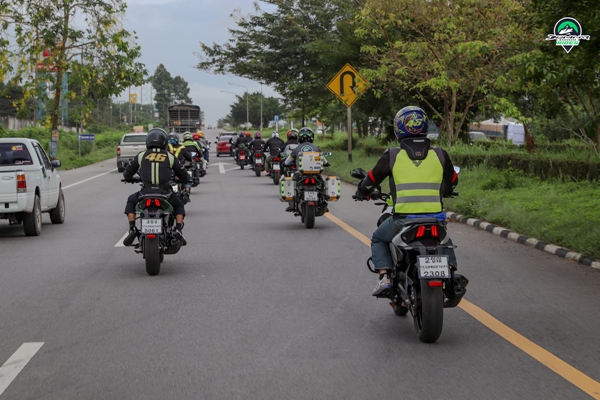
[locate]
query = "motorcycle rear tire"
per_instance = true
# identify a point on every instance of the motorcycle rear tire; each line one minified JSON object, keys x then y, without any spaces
{"x":242,"y":166}
{"x":429,"y":317}
{"x":309,"y":216}
{"x":275,"y":176}
{"x":257,"y":170}
{"x":152,"y":256}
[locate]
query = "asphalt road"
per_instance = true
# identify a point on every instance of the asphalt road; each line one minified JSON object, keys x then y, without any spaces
{"x":258,"y":307}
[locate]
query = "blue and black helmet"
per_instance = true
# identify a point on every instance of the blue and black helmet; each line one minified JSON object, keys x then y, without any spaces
{"x":410,"y":121}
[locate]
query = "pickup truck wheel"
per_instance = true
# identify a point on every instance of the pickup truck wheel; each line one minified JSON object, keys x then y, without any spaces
{"x":57,"y":214}
{"x":32,"y":222}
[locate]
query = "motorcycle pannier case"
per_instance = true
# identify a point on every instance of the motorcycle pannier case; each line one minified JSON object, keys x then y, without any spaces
{"x":309,"y":162}
{"x":333,"y":187}
{"x":288,"y":187}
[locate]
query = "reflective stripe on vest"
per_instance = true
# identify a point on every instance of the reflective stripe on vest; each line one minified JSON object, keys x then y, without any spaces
{"x":418,"y":185}
{"x":175,"y":150}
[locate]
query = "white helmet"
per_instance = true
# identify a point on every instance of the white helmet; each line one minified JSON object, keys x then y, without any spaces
{"x":274,"y":134}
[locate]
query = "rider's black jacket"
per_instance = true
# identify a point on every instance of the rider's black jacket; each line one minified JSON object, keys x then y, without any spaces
{"x":243,"y":141}
{"x":256,"y":144}
{"x":155,"y":167}
{"x":274,"y":145}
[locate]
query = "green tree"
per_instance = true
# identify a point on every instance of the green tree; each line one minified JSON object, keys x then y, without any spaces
{"x":169,"y":90}
{"x":100,"y":55}
{"x":564,"y":83}
{"x":451,"y":56}
{"x":270,"y":106}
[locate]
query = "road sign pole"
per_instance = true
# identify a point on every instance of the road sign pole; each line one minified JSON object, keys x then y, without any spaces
{"x":350,"y":134}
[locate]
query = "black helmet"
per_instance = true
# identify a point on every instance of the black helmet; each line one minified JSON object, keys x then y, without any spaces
{"x":156,"y":138}
{"x":173,"y":139}
{"x":306,"y":135}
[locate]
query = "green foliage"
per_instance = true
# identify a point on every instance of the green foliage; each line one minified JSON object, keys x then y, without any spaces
{"x":169,"y":90}
{"x":99,"y":57}
{"x":451,"y":56}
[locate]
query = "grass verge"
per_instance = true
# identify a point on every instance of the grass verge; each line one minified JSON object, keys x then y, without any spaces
{"x":565,"y":214}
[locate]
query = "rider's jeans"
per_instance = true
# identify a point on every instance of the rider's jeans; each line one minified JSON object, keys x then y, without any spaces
{"x":382,"y":237}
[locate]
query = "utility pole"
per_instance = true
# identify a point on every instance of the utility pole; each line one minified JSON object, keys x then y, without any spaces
{"x":261,"y":115}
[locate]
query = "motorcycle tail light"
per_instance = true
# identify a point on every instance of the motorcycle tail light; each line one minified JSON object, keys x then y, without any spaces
{"x":242,"y":152}
{"x":151,"y":236}
{"x":275,"y":159}
{"x":259,"y":155}
{"x":157,"y":202}
{"x":310,"y":181}
{"x":435,"y":283}
{"x":148,"y":202}
{"x":434,"y":231}
{"x":420,"y":232}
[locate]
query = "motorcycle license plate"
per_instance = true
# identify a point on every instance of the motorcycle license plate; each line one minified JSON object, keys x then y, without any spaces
{"x":151,"y":225}
{"x":276,"y":167}
{"x":433,"y":267}
{"x":242,"y":157}
{"x":311,"y":196}
{"x":259,"y":161}
{"x":175,"y":188}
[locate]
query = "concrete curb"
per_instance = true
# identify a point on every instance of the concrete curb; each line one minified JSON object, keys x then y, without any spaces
{"x":515,"y":237}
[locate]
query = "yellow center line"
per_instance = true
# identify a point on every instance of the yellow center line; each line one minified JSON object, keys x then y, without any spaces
{"x":571,"y":374}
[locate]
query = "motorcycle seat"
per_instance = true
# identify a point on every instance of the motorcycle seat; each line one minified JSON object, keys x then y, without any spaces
{"x":413,"y":221}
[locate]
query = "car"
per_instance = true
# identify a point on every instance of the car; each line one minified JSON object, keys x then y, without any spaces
{"x":477,"y":136}
{"x":131,"y":144}
{"x":319,"y":131}
{"x":223,"y":145}
{"x":29,"y":185}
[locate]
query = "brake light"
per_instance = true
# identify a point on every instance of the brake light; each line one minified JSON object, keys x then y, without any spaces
{"x":434,"y":231}
{"x":157,"y":202}
{"x":420,"y":232}
{"x":435,"y":283}
{"x":276,"y":159}
{"x":21,"y":183}
{"x":310,"y":181}
{"x":258,"y":155}
{"x":242,"y":152}
{"x":118,"y":151}
{"x":148,"y":202}
{"x":151,"y":236}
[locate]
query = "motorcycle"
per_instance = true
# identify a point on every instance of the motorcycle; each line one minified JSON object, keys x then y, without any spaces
{"x":258,"y":162}
{"x":276,"y":169}
{"x":195,"y":169}
{"x":156,"y":225}
{"x":242,"y":157}
{"x":307,"y":188}
{"x":423,"y":282}
{"x":178,"y":189}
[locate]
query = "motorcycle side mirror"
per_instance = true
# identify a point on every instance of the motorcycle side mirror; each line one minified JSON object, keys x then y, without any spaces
{"x":358,"y":173}
{"x":457,"y":169}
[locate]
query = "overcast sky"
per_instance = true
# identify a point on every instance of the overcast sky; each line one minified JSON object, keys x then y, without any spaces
{"x":169,"y":32}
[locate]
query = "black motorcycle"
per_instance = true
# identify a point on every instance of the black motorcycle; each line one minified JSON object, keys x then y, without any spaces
{"x":258,"y":162}
{"x":155,"y":221}
{"x":309,"y":187}
{"x":242,"y":157}
{"x":276,"y":169}
{"x":423,"y":282}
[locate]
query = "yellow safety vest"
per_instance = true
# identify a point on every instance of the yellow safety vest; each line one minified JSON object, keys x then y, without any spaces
{"x":175,"y":150}
{"x":418,"y":183}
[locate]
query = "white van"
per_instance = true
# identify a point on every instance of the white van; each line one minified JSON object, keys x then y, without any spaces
{"x":516,"y":133}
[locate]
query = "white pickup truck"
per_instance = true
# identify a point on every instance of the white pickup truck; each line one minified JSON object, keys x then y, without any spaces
{"x":29,"y":185}
{"x":129,"y":147}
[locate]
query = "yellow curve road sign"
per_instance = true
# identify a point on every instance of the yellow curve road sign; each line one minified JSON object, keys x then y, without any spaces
{"x":347,"y":85}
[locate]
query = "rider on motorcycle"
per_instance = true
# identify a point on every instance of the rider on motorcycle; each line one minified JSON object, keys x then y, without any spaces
{"x":155,"y":166}
{"x":201,"y":140}
{"x":241,"y":144}
{"x":273,"y":146}
{"x":192,"y":146}
{"x":258,"y":144}
{"x":292,"y":141}
{"x":306,"y":136}
{"x":419,"y":176}
{"x":180,"y":152}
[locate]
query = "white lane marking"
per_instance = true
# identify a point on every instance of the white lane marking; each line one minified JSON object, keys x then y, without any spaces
{"x":16,"y":363}
{"x":89,"y":179}
{"x":231,"y":169}
{"x":222,"y":168}
{"x":120,"y":242}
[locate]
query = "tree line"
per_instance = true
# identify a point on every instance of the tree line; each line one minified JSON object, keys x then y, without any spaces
{"x":461,"y":60}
